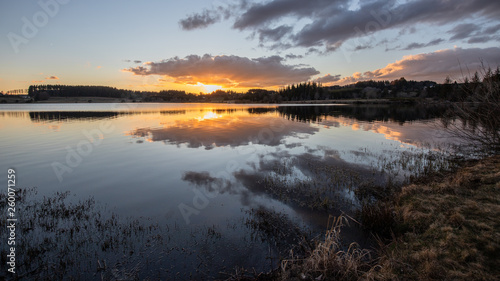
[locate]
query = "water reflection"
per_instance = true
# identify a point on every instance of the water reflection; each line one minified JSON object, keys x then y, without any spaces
{"x":367,"y":113}
{"x":61,"y":116}
{"x":281,"y":158}
{"x":215,"y":130}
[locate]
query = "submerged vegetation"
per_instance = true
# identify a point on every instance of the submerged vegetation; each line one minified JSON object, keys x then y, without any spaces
{"x":62,"y":239}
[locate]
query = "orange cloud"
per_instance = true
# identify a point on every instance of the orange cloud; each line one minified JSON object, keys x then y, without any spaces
{"x":227,"y":71}
{"x":435,"y":66}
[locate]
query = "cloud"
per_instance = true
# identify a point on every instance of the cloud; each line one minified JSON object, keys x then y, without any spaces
{"x":462,"y":31}
{"x":416,"y":45}
{"x":492,"y":29}
{"x":274,"y":34}
{"x":52,"y":78}
{"x":479,"y":39}
{"x":227,"y":71}
{"x":362,"y":47}
{"x":209,"y":16}
{"x":328,"y":79}
{"x":201,"y":20}
{"x":474,"y":33}
{"x":231,"y":130}
{"x":293,"y":56}
{"x":137,"y":61}
{"x":433,"y":66}
{"x":259,"y":14}
{"x":330,"y":23}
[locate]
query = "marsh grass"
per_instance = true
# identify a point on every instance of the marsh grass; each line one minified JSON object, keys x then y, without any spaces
{"x":318,"y":186}
{"x":61,"y":238}
{"x":279,"y":230}
{"x":330,"y":259}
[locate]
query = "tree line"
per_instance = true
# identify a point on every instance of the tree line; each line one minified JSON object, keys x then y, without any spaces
{"x":399,"y":88}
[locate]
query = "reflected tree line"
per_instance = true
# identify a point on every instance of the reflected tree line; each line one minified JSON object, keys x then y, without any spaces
{"x":71,"y":115}
{"x":97,"y":115}
{"x":369,"y":113}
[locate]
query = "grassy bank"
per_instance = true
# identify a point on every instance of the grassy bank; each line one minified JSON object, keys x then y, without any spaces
{"x":445,"y":227}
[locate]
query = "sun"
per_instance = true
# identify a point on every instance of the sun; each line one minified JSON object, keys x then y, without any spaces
{"x":210,"y":88}
{"x":209,"y":115}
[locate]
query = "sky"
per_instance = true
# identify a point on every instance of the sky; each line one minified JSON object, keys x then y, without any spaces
{"x":202,"y":45}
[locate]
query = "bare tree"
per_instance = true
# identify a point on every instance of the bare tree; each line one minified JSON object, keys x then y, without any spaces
{"x":476,"y":117}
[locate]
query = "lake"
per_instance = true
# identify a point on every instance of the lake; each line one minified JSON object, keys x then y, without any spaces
{"x":206,"y":176}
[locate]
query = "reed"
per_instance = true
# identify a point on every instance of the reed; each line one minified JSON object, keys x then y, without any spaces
{"x":330,"y":259}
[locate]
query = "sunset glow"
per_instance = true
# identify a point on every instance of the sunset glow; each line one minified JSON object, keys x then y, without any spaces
{"x":209,"y":115}
{"x":269,"y":44}
{"x":210,"y":88}
{"x":221,"y":139}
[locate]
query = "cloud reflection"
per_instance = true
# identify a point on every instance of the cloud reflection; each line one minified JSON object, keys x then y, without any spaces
{"x":216,"y":130}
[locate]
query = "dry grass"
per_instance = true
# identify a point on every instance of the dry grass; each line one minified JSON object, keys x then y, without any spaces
{"x":451,"y":228}
{"x":330,"y":259}
{"x":445,"y":228}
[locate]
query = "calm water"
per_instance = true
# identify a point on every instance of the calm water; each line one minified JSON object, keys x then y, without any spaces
{"x":202,"y":166}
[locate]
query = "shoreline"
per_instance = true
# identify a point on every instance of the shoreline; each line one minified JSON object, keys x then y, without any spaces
{"x":443,"y":227}
{"x":73,"y":100}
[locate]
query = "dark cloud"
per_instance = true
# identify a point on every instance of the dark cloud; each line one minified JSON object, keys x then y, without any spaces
{"x":479,"y":39}
{"x":228,"y":71}
{"x":260,"y":14}
{"x":332,"y":22}
{"x":492,"y":30}
{"x":52,"y":78}
{"x":416,"y":45}
{"x":293,"y":56}
{"x":486,"y":35}
{"x":462,"y":31}
{"x":474,"y":33}
{"x":210,"y":16}
{"x":328,"y":78}
{"x":362,"y":47}
{"x":202,"y":20}
{"x":274,"y":34}
{"x":137,"y":61}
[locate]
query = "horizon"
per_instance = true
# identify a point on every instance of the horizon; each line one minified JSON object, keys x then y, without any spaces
{"x":199,"y":46}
